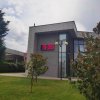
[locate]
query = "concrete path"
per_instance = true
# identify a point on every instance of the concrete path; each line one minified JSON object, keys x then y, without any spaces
{"x":41,"y":77}
{"x":13,"y":74}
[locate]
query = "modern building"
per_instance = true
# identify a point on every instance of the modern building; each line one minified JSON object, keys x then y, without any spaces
{"x":58,"y":42}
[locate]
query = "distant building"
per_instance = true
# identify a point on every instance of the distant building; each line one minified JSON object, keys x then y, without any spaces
{"x":14,"y":55}
{"x":42,"y":40}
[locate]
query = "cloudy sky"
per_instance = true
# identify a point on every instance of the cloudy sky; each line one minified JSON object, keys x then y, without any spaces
{"x":24,"y":13}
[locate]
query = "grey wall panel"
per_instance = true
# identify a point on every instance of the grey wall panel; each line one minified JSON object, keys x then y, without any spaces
{"x":56,"y":27}
{"x":46,"y":39}
{"x":31,"y":42}
{"x":52,"y":56}
{"x":52,"y":63}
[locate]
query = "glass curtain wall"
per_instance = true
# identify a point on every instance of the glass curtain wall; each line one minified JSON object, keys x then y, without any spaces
{"x":62,"y":37}
{"x":79,"y":45}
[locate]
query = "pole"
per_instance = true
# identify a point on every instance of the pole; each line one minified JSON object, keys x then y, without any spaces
{"x":61,"y":62}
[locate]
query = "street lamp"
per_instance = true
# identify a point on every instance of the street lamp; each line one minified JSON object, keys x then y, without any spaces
{"x":60,"y":43}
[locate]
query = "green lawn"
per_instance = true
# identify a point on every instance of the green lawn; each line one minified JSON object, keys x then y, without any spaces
{"x":13,"y":88}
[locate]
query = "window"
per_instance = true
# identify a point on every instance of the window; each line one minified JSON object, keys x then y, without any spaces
{"x":79,"y":45}
{"x":62,"y":37}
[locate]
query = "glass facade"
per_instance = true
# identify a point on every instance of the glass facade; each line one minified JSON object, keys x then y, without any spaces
{"x":79,"y":45}
{"x":62,"y":55}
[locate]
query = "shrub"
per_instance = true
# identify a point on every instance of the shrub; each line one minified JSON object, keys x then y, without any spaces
{"x":11,"y":67}
{"x":87,"y":68}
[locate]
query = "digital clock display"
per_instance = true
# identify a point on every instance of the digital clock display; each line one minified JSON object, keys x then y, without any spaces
{"x":47,"y":47}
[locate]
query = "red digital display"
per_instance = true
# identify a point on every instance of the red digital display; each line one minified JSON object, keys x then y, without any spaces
{"x":44,"y":47}
{"x":47,"y":47}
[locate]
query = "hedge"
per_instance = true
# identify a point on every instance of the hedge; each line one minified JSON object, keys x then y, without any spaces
{"x":11,"y":67}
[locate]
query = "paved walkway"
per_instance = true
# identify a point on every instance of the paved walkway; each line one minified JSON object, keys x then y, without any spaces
{"x":41,"y":77}
{"x":13,"y":74}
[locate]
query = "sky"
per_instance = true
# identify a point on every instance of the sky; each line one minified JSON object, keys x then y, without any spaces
{"x":24,"y":13}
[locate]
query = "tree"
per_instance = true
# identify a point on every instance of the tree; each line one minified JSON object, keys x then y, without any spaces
{"x":87,"y":68}
{"x":97,"y":29}
{"x":36,"y":66}
{"x":3,"y":33}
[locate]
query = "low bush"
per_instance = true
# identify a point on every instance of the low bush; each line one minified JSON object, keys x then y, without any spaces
{"x":11,"y":67}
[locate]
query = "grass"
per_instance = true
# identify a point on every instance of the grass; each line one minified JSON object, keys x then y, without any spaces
{"x":13,"y":88}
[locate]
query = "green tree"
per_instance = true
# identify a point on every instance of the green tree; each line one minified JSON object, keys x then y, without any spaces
{"x":87,"y":68}
{"x":3,"y":33}
{"x":36,"y":66}
{"x":97,"y":29}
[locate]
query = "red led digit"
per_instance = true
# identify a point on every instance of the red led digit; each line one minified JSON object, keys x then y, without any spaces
{"x":50,"y":47}
{"x":43,"y":47}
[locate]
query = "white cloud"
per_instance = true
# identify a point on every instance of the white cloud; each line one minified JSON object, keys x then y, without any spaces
{"x":44,"y":12}
{"x":17,"y":34}
{"x":80,"y":27}
{"x":13,"y":44}
{"x":9,"y":10}
{"x":16,"y":25}
{"x":23,"y":13}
